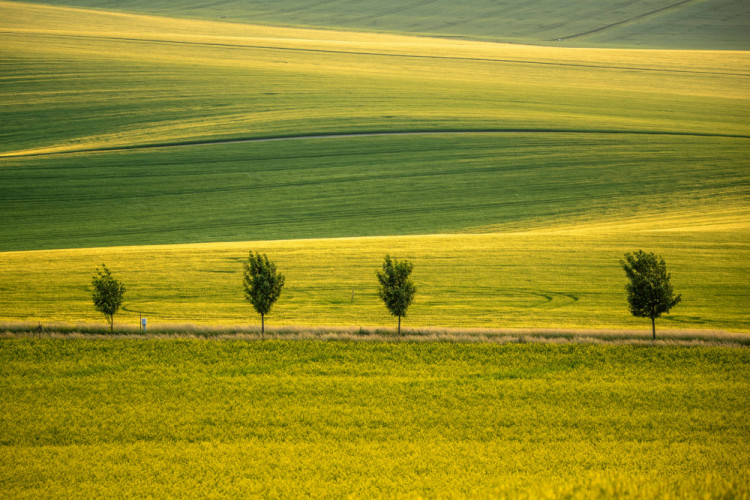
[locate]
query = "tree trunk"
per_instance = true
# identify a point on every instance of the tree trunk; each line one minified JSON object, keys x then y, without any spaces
{"x":399,"y":325}
{"x":111,"y":324}
{"x":262,"y":324}
{"x":653,"y":327}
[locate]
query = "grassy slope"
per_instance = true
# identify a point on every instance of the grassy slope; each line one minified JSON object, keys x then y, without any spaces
{"x":82,"y":80}
{"x":366,"y":186}
{"x":544,"y":280}
{"x":712,"y":24}
{"x":79,"y":79}
{"x":328,"y":419}
{"x":235,"y":419}
{"x":121,"y":88}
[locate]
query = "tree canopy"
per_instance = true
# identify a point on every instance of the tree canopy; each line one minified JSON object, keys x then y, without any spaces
{"x":396,"y":287}
{"x":108,"y":294}
{"x":650,"y":293}
{"x":262,"y":283}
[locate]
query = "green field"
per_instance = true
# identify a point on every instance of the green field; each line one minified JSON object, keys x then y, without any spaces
{"x":117,"y":131}
{"x":230,"y":419}
{"x":712,"y":24}
{"x":367,"y":186}
{"x":607,"y":134}
{"x":81,"y":80}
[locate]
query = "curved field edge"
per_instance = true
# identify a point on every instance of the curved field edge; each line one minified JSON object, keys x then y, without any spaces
{"x":555,"y":280}
{"x":169,"y":418}
{"x":377,"y":133}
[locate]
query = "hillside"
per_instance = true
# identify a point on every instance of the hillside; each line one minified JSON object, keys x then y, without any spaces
{"x":564,"y":279}
{"x":533,"y":136}
{"x":674,"y":24}
{"x":514,"y":176}
{"x":120,"y":130}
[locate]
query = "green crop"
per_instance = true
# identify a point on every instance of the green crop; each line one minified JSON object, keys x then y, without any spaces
{"x":370,"y":186}
{"x":91,"y":99}
{"x":168,"y":148}
{"x":609,"y":133}
{"x":105,"y":119}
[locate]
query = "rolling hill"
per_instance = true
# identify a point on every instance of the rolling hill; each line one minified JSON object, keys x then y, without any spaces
{"x":513,"y":176}
{"x":121,"y":129}
{"x":566,"y":279}
{"x":147,"y":129}
{"x":673,"y":24}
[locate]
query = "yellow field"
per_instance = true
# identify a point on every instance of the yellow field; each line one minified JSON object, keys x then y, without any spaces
{"x":557,"y":278}
{"x":513,"y":177}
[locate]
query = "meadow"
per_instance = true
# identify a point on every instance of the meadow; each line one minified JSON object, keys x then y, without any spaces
{"x":93,"y":99}
{"x":79,"y":80}
{"x":713,"y":24}
{"x":227,"y":419}
{"x":564,"y":279}
{"x":545,"y":164}
{"x":371,"y":186}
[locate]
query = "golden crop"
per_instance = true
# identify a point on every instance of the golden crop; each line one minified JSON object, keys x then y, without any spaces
{"x":228,"y":419}
{"x":564,"y":278}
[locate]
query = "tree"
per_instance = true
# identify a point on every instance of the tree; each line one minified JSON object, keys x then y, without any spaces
{"x":108,"y":294}
{"x":396,"y":288}
{"x":262,"y":285}
{"x":650,"y":293}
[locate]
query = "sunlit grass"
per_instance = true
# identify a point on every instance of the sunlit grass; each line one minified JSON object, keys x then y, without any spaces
{"x":650,"y":24}
{"x":623,"y":149}
{"x":545,"y":279}
{"x":368,"y":186}
{"x":78,"y":79}
{"x":229,"y":419}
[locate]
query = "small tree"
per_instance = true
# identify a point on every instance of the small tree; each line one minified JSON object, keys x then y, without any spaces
{"x":650,"y":293}
{"x":108,"y":294}
{"x":262,"y":285}
{"x":396,"y":288}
